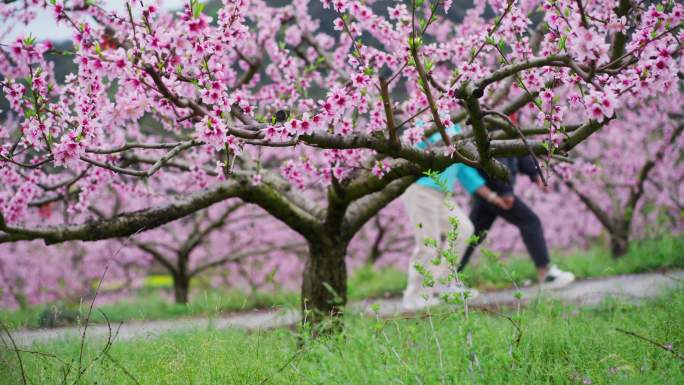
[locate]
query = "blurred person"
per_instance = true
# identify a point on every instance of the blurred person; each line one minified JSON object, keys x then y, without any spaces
{"x":501,"y":201}
{"x":429,"y":207}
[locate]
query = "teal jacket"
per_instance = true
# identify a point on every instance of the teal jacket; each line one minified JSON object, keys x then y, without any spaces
{"x":469,"y":178}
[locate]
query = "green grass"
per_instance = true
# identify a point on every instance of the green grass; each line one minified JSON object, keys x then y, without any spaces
{"x":559,"y":344}
{"x":666,"y":252}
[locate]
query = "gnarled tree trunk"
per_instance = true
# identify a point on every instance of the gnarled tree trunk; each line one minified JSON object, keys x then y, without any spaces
{"x":324,"y":286}
{"x":619,"y":236}
{"x":618,"y":245}
{"x":181,"y":288}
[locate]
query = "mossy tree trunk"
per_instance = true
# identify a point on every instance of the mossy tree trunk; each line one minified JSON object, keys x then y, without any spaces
{"x":324,"y":286}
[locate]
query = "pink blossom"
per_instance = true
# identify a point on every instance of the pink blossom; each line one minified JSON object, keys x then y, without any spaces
{"x":68,"y":151}
{"x":380,"y":168}
{"x":587,"y":45}
{"x":212,"y":131}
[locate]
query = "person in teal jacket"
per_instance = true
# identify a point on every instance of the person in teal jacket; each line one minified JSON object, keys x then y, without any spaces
{"x":491,"y":199}
{"x":429,"y":211}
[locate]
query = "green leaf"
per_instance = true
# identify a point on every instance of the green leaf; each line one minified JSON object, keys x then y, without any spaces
{"x":419,"y":3}
{"x":429,"y":242}
{"x":414,"y":42}
{"x":562,"y":43}
{"x":428,"y":65}
{"x":197,"y":8}
{"x":30,"y":39}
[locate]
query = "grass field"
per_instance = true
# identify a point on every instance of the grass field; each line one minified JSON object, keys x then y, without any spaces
{"x":556,"y":344}
{"x":653,"y":254}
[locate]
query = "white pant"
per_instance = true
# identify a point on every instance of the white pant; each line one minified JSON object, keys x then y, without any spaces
{"x":429,"y":217}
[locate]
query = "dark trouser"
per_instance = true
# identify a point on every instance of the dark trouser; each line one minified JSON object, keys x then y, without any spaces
{"x":521,"y":216}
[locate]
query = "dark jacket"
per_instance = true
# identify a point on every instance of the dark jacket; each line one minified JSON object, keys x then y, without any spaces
{"x":523,"y":164}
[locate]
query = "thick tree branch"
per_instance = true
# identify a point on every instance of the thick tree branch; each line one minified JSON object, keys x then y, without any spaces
{"x":369,"y":183}
{"x":130,"y":223}
{"x":503,"y":148}
{"x":126,"y":224}
{"x":362,"y":210}
{"x":512,"y":69}
{"x":482,"y":140}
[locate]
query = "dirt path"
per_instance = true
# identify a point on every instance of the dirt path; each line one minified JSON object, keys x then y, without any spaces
{"x":630,"y":288}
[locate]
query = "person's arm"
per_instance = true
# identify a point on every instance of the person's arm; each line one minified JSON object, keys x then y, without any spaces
{"x":492,"y":197}
{"x":473,"y":183}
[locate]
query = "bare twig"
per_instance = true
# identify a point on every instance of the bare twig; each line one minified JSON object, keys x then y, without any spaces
{"x":87,"y":321}
{"x":389,"y":113}
{"x":524,"y":140}
{"x":667,"y":348}
{"x":16,"y":351}
{"x":439,"y":347}
{"x":122,"y":368}
{"x":515,"y":324}
{"x":289,"y":361}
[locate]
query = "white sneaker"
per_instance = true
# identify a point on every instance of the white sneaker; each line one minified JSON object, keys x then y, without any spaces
{"x":458,"y":288}
{"x":556,"y":278}
{"x":416,"y":302}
